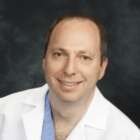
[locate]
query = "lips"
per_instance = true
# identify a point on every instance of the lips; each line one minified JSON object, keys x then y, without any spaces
{"x":69,"y":85}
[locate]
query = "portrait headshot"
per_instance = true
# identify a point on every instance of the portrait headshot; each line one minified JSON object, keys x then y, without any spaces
{"x":70,"y":70}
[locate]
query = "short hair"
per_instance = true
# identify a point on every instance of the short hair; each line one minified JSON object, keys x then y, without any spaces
{"x":102,"y":32}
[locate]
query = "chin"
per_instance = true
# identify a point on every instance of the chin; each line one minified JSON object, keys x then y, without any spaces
{"x":69,"y":97}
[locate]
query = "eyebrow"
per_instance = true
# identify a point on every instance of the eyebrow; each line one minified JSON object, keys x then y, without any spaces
{"x":86,"y":52}
{"x":60,"y":49}
{"x":81,"y":51}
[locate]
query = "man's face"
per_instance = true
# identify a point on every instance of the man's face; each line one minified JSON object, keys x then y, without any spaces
{"x":72,"y":63}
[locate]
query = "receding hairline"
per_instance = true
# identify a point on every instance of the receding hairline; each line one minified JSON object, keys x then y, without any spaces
{"x":93,"y":24}
{"x":77,"y":18}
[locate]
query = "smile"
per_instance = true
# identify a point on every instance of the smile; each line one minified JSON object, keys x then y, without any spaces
{"x":69,"y":84}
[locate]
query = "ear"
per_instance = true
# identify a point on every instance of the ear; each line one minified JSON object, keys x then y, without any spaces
{"x":103,"y":68}
{"x":43,"y":63}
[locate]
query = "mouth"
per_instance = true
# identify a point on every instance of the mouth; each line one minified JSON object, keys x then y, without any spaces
{"x":69,"y":85}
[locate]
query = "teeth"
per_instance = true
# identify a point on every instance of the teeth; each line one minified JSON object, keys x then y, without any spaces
{"x":69,"y":84}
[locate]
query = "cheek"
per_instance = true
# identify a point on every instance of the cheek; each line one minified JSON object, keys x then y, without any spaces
{"x":53,"y":67}
{"x":91,"y":73}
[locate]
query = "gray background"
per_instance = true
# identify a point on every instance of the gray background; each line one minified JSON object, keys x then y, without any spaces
{"x":23,"y":28}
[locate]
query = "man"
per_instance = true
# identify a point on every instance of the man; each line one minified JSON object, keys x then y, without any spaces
{"x":70,"y":107}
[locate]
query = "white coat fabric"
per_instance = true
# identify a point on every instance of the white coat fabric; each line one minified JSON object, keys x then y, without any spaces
{"x":22,"y":114}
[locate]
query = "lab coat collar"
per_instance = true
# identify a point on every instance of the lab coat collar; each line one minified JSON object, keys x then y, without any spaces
{"x":96,"y":115}
{"x":95,"y":120}
{"x":33,"y":120}
{"x":36,"y":96}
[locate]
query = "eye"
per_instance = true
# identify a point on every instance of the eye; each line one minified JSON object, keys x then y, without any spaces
{"x":58,"y":54}
{"x":85,"y":57}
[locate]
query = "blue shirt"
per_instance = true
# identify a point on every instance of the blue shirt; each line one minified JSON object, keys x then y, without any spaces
{"x":47,"y":130}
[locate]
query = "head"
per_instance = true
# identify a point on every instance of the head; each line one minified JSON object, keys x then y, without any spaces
{"x":102,"y":32}
{"x":73,"y":60}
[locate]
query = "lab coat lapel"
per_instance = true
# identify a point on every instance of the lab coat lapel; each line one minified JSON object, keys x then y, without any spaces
{"x":33,"y":120}
{"x":96,"y":117}
{"x":93,"y":122}
{"x":78,"y":133}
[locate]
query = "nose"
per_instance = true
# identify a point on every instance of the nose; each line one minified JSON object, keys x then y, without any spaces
{"x":70,"y":67}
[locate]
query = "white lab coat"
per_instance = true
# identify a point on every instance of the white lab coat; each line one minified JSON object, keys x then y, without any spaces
{"x":21,"y":118}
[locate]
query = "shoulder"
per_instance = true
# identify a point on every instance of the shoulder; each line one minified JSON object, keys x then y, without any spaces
{"x":105,"y":121}
{"x":17,"y":98}
{"x":119,"y":123}
{"x":108,"y":118}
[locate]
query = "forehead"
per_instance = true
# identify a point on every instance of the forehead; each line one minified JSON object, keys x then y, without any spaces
{"x":76,"y":31}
